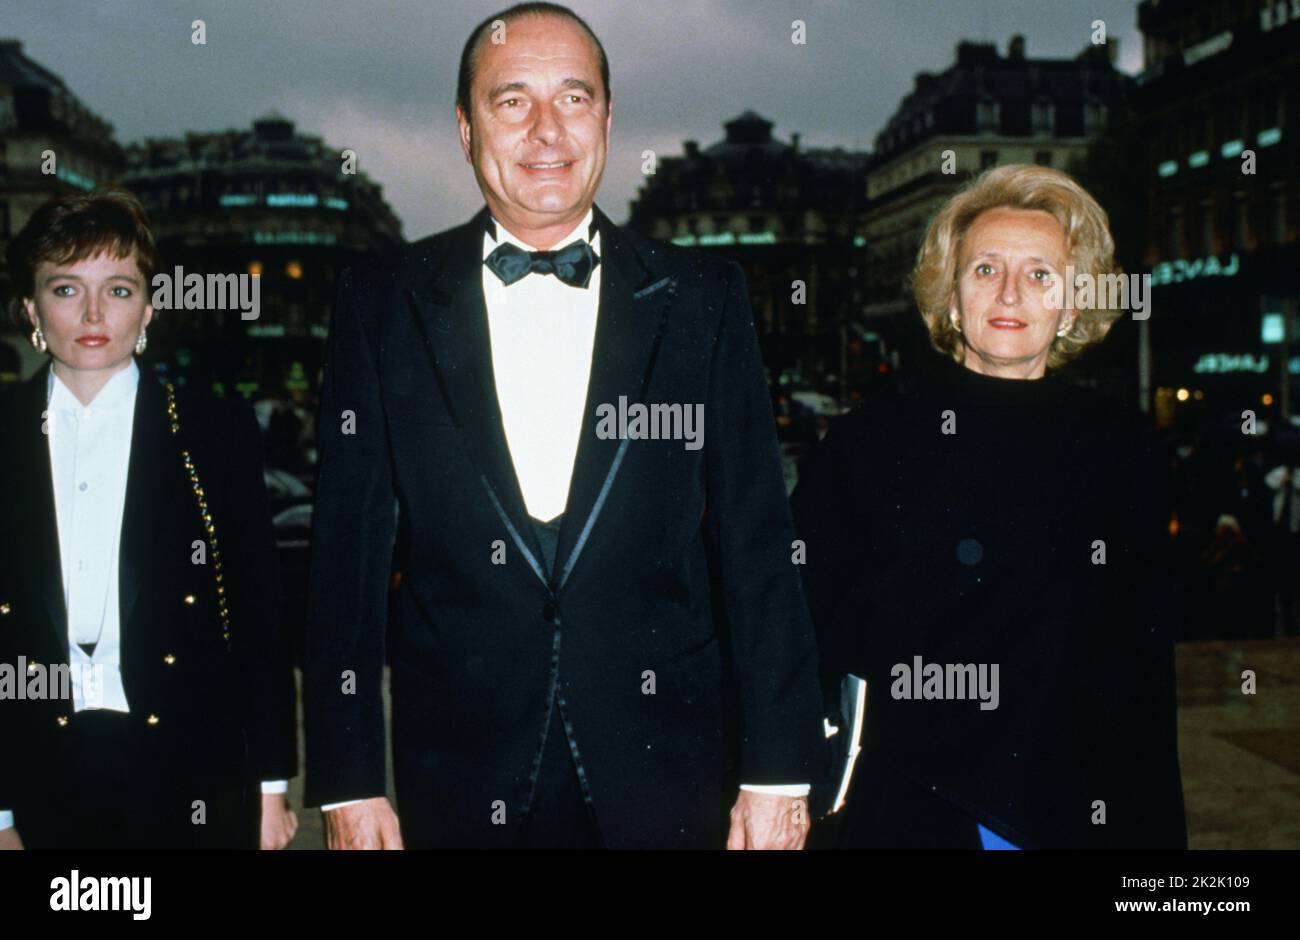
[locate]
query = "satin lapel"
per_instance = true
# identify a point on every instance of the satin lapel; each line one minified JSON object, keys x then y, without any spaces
{"x":37,"y":502}
{"x":452,"y":315}
{"x":634,"y":302}
{"x":153,"y":455}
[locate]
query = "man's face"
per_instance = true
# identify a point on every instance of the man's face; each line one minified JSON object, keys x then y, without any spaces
{"x":91,"y":311}
{"x":537,"y":102}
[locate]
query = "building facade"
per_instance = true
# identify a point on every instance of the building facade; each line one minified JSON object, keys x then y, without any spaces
{"x":1219,"y":102}
{"x":269,"y":202}
{"x":984,"y":110}
{"x":787,"y":214}
{"x":50,"y":144}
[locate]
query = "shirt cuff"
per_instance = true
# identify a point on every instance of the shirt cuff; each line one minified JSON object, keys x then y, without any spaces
{"x":6,"y":819}
{"x":326,"y":807}
{"x":275,"y":786}
{"x":778,"y":789}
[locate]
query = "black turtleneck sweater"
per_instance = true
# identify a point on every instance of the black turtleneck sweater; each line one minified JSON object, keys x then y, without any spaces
{"x":961,"y":524}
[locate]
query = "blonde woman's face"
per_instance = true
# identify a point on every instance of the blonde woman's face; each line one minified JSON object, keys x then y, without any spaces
{"x":1009,"y":260}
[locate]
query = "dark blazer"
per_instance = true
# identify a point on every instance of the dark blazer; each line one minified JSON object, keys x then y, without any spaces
{"x":979,"y":545}
{"x":219,"y":717}
{"x":660,"y":546}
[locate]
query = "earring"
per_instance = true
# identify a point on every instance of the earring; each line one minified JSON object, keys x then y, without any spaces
{"x":38,"y":340}
{"x":956,"y":324}
{"x":1065,"y":329}
{"x":140,"y":344}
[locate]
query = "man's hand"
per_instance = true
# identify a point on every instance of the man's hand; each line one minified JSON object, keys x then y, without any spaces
{"x":370,"y":824}
{"x":768,"y":821}
{"x":9,"y":840}
{"x":278,"y":822}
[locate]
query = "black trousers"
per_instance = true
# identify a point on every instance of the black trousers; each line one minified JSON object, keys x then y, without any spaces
{"x":559,"y":816}
{"x":110,"y":789}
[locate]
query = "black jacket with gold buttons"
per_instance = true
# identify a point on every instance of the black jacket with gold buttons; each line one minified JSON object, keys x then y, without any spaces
{"x":204,"y":660}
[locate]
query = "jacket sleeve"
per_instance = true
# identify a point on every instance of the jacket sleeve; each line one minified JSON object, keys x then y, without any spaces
{"x":353,"y":527}
{"x":773,"y":651}
{"x":1148,"y":689}
{"x":832,"y":539}
{"x":259,"y":641}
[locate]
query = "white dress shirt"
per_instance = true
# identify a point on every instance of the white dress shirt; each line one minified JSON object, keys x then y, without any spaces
{"x":90,"y":453}
{"x":543,"y":332}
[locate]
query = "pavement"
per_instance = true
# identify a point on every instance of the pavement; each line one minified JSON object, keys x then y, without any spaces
{"x":1240,"y":752}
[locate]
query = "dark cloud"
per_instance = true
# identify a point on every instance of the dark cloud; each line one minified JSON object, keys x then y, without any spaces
{"x":380,"y":77}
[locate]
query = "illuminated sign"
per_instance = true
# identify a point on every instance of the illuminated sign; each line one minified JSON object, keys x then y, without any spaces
{"x":294,"y":238}
{"x":1273,"y":15}
{"x":295,"y":200}
{"x":1175,"y":272}
{"x":1272,"y":328}
{"x":1220,"y":363}
{"x":1203,"y":50}
{"x":73,"y":178}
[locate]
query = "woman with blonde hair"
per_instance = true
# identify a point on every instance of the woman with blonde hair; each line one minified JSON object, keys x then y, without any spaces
{"x":980,"y":552}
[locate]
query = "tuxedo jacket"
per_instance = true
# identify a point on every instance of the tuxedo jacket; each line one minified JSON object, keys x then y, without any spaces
{"x":673,"y":578}
{"x":216,"y":716}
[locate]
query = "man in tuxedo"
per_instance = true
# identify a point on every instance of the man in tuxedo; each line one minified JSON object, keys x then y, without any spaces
{"x":579,"y":603}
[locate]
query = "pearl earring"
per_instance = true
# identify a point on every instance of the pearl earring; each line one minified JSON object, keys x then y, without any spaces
{"x":140,"y":344}
{"x":38,"y":340}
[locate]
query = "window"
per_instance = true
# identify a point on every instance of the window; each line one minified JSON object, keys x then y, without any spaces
{"x":988,"y":158}
{"x":988,"y":116}
{"x":1174,"y":232}
{"x":1043,"y":116}
{"x":1240,"y":221}
{"x":1205,"y":220}
{"x":1043,"y":158}
{"x":1094,"y":118}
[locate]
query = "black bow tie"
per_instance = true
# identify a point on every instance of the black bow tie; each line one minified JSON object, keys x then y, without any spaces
{"x":572,"y":264}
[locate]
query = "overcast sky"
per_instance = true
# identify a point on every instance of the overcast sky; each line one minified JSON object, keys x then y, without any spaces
{"x":379,"y":76}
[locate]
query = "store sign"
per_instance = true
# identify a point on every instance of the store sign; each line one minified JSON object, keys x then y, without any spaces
{"x":1203,"y":50}
{"x":1275,"y":13}
{"x":1175,"y":272}
{"x":1221,"y":363}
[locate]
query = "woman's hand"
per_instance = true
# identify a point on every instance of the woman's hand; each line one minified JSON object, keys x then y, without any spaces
{"x":279,"y":824}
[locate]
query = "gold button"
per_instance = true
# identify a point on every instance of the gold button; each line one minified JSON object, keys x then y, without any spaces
{"x":169,"y":659}
{"x":190,"y":598}
{"x":152,"y":720}
{"x":4,"y":609}
{"x":62,"y":721}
